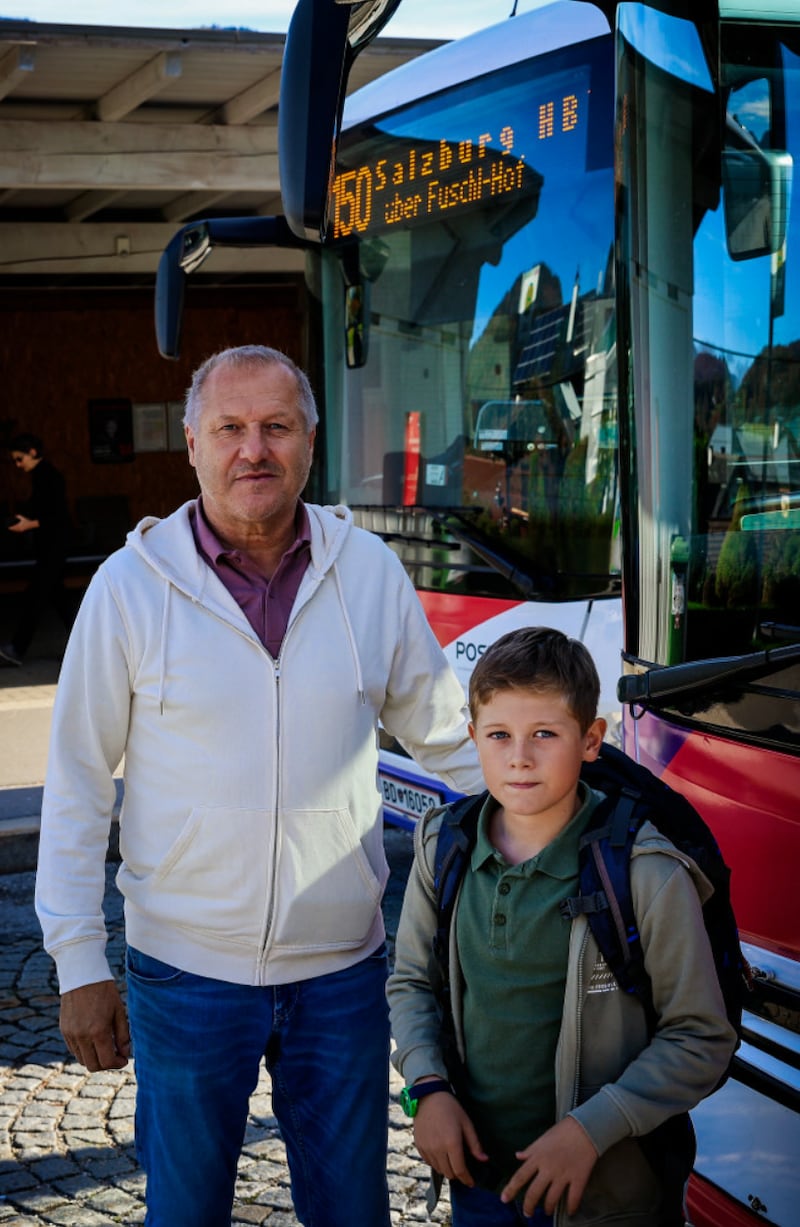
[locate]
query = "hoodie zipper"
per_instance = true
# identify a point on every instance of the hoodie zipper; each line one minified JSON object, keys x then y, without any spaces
{"x":271,"y":886}
{"x":294,"y":617}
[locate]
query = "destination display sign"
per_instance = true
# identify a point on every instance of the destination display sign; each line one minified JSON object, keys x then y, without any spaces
{"x":401,"y":181}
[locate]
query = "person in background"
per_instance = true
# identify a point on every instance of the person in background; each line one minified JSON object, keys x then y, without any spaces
{"x":48,"y":519}
{"x":241,"y":654}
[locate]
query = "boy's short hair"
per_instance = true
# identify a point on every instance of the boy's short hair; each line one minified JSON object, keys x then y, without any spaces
{"x":27,"y":443}
{"x":538,"y":658}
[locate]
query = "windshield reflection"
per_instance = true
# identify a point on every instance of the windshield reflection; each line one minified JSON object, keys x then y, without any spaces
{"x":489,"y":396}
{"x":744,"y":558}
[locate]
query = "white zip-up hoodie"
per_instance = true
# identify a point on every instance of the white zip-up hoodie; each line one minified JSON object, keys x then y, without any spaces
{"x":250,"y":829}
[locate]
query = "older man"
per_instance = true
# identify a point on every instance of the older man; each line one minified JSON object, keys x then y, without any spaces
{"x":240,"y":654}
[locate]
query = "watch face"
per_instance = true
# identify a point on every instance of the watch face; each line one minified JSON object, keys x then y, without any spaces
{"x":407,"y":1103}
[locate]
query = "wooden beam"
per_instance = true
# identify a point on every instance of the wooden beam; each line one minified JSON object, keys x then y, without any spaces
{"x":190,"y":204}
{"x":14,"y":65}
{"x":121,"y":247}
{"x":140,"y":157}
{"x":142,"y":84}
{"x":88,"y":203}
{"x":259,"y":97}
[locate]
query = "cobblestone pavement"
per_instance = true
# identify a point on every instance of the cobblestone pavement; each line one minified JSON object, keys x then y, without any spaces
{"x":66,"y":1136}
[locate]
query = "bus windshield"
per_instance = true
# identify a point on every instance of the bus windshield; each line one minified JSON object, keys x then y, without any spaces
{"x":714,"y":551}
{"x":744,"y":556}
{"x":472,"y":416}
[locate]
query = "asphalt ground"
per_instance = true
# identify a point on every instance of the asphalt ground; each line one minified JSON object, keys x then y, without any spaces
{"x":66,"y":1136}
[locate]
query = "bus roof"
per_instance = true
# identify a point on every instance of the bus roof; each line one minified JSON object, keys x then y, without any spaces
{"x":517,"y":38}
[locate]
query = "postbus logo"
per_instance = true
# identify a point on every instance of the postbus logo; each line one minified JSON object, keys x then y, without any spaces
{"x":469,"y":652}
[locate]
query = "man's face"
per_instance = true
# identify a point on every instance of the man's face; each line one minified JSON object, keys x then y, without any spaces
{"x":252,"y":450}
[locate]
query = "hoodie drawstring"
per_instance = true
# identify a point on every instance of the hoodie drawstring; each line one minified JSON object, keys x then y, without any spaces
{"x":163,"y":651}
{"x":351,"y":637}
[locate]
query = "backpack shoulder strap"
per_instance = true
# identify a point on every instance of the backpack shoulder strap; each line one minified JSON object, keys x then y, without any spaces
{"x":604,"y":897}
{"x":457,"y":835}
{"x":456,"y":838}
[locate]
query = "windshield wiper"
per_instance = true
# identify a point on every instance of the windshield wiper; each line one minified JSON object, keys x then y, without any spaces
{"x":525,"y":584}
{"x":673,"y":681}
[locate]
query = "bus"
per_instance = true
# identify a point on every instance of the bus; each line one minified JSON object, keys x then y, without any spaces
{"x":557,"y":265}
{"x":708,"y":293}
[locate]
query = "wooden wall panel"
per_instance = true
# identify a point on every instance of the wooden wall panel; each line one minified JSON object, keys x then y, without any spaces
{"x":61,"y":348}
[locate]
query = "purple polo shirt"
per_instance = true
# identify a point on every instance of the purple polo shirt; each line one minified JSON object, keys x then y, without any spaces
{"x":266,"y":603}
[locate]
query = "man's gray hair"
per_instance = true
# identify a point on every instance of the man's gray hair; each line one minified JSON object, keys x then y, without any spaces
{"x":243,"y":357}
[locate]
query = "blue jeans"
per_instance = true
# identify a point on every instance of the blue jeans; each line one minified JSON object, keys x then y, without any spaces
{"x":480,"y":1208}
{"x":198,"y":1044}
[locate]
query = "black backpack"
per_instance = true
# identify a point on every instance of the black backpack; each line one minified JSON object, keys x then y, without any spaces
{"x":632,"y":795}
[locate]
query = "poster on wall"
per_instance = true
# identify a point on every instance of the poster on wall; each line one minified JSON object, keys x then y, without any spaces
{"x":150,"y":428}
{"x":111,"y":431}
{"x":177,"y":439}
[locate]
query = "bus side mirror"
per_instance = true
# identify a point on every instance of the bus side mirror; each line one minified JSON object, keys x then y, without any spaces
{"x":356,"y":302}
{"x":187,"y":250}
{"x":757,"y":187}
{"x":170,"y":285}
{"x":323,"y":39}
{"x":361,"y":264}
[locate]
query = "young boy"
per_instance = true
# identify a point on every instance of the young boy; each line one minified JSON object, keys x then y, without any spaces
{"x":49,"y":517}
{"x":557,"y":1073}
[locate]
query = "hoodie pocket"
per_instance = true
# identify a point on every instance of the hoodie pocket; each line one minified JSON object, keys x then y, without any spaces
{"x":326,"y":891}
{"x":214,"y":877}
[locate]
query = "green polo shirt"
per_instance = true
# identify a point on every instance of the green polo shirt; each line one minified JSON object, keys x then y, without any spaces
{"x":513,"y":948}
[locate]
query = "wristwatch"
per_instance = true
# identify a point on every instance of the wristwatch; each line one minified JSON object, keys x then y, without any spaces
{"x":411,"y":1095}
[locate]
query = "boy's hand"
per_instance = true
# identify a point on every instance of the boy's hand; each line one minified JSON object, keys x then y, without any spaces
{"x":441,"y":1131}
{"x":558,"y":1162}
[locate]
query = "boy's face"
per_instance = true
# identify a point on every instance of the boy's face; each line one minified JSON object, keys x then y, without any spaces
{"x":531,"y":748}
{"x":25,"y":460}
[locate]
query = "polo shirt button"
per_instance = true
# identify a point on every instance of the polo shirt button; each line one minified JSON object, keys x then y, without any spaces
{"x":504,"y":888}
{"x":499,"y":919}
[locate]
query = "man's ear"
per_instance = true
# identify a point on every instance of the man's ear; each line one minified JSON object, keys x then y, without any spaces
{"x":471,"y":730}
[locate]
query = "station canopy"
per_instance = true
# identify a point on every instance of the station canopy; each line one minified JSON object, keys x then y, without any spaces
{"x":111,"y":139}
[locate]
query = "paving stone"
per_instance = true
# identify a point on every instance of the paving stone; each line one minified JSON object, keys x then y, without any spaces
{"x":67,"y":1157}
{"x":53,"y":1166}
{"x":11,"y":1182}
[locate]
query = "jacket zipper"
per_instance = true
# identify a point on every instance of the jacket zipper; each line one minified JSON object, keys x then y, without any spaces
{"x":558,"y":1217}
{"x":578,"y":1020}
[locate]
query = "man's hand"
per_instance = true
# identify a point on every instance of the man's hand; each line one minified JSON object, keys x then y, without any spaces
{"x":441,"y":1131}
{"x":559,"y":1162}
{"x":23,"y":525}
{"x":95,"y":1026}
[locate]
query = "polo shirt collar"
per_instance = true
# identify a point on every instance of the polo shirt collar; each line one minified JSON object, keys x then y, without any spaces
{"x":215,"y":550}
{"x":557,"y":860}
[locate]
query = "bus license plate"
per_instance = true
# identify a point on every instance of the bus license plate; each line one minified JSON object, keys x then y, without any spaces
{"x":407,"y":798}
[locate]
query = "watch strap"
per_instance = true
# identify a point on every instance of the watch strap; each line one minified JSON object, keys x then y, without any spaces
{"x":411,"y":1095}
